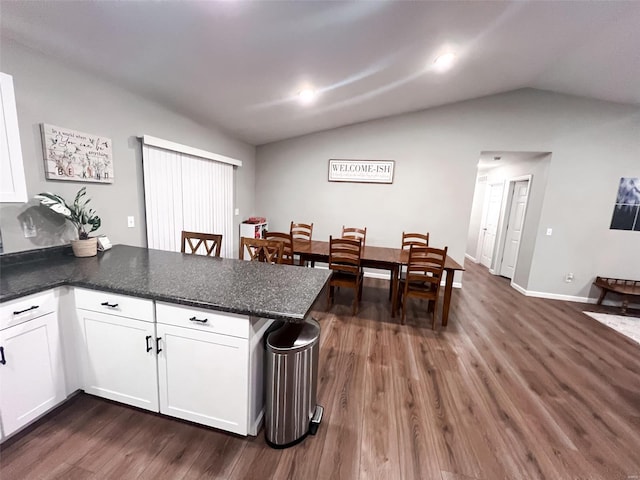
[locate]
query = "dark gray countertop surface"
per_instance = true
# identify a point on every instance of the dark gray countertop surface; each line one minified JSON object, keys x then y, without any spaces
{"x":280,"y":292}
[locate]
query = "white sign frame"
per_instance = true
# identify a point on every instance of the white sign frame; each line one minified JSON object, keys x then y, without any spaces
{"x":76,"y":156}
{"x":361,"y":171}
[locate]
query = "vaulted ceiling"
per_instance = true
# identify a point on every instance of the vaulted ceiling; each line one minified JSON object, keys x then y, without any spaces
{"x":239,"y":64}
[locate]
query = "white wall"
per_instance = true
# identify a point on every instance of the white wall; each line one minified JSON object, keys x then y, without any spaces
{"x":592,"y":144}
{"x":475,"y":219}
{"x":48,"y":92}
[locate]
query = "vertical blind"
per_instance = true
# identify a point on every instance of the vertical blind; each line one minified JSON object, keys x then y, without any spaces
{"x":186,"y":192}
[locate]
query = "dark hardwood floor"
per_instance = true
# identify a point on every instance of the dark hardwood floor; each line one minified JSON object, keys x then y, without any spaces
{"x":514,"y":388}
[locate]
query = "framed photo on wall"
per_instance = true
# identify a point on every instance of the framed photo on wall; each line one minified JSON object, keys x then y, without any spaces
{"x":76,"y":156}
{"x":626,"y":211}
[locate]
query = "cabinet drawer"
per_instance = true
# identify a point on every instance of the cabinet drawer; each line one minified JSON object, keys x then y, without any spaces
{"x":25,"y":308}
{"x":202,"y":319}
{"x":114,"y":304}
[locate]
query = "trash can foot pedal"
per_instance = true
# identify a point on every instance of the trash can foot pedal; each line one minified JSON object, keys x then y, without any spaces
{"x":316,"y":419}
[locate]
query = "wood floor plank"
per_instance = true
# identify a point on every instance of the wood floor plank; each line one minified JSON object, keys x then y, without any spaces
{"x":379,"y":456}
{"x":344,"y":416}
{"x":514,"y":388}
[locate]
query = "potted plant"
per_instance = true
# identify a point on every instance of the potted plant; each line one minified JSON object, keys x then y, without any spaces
{"x":84,"y":219}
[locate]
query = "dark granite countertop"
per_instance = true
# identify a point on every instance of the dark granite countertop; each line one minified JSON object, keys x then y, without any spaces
{"x":280,"y":292}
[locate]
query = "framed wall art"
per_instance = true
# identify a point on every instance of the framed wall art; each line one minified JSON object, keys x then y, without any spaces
{"x":362,"y":171}
{"x":626,"y":211}
{"x":76,"y":156}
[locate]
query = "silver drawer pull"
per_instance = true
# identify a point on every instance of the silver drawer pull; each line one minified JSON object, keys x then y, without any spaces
{"x":194,"y":319}
{"x":110,"y":305}
{"x":27,"y":309}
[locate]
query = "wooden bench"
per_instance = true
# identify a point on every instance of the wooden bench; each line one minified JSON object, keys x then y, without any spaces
{"x":626,"y":288}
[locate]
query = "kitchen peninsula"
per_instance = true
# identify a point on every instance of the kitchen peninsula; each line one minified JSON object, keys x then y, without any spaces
{"x":172,"y":333}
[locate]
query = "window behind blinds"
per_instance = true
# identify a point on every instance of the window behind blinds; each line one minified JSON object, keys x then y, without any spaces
{"x":186,"y":192}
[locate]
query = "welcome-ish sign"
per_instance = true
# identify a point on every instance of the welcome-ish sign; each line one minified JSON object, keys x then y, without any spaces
{"x":364,"y":171}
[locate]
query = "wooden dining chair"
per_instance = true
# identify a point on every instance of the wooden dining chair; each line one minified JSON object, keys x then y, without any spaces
{"x":302,"y":232}
{"x":423,"y":277}
{"x":287,"y":244}
{"x":344,"y":262}
{"x":210,"y":243}
{"x":408,"y":239}
{"x":261,"y":250}
{"x":357,"y":233}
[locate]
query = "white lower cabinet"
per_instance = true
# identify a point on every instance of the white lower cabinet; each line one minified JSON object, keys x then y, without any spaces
{"x":31,"y":368}
{"x":118,"y":347}
{"x":203,"y":377}
{"x":210,"y":367}
{"x":195,"y":364}
{"x":119,"y":359}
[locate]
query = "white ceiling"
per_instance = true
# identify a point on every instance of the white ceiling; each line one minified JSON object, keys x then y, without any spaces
{"x":238,"y":64}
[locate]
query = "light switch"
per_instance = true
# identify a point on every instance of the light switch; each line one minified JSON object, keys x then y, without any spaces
{"x":549,"y":231}
{"x":130,"y":222}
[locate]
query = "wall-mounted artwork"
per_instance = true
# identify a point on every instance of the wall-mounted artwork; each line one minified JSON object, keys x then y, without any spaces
{"x":362,"y":171}
{"x":76,"y":156}
{"x":626,"y":212}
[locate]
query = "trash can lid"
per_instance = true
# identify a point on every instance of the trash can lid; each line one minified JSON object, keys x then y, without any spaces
{"x":294,"y":336}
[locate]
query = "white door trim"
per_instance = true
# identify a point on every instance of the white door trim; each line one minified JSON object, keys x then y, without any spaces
{"x":504,"y":216}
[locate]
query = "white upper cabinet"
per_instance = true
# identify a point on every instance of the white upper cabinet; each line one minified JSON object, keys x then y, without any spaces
{"x":12,"y":184}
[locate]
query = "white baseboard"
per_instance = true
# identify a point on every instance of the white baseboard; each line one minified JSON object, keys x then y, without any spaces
{"x":473,"y":259}
{"x":383,"y":276}
{"x":568,"y":298}
{"x":552,"y":296}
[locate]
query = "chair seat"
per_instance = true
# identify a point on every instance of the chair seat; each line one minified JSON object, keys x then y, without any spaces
{"x":344,"y":278}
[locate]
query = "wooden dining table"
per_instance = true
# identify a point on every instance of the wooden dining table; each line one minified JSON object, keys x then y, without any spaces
{"x":383,"y":258}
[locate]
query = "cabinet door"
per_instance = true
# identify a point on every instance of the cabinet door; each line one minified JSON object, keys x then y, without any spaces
{"x":32,"y":373}
{"x":119,"y":359}
{"x":203,"y":377}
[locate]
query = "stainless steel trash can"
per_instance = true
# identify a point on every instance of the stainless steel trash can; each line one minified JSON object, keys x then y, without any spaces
{"x":291,"y":382}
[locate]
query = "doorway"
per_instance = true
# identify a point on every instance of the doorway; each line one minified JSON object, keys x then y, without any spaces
{"x":506,"y":212}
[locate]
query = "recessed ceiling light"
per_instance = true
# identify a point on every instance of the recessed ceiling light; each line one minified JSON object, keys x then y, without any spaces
{"x":444,"y":61}
{"x":307,"y":95}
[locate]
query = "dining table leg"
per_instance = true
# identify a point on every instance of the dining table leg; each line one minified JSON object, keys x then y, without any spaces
{"x":448,"y":287}
{"x":394,"y":289}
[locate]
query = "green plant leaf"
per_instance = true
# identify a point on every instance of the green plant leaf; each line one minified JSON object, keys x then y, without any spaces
{"x":77,"y":213}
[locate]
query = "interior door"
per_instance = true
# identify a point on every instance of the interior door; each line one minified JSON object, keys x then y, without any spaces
{"x":514,"y":228}
{"x":491,"y":217}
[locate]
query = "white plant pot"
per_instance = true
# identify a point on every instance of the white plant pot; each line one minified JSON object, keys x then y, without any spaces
{"x":85,"y":248}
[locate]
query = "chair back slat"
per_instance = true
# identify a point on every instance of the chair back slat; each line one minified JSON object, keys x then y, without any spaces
{"x":425,"y":265}
{"x":355,"y":233}
{"x":262,"y":250}
{"x":301,"y":231}
{"x":345,"y":254}
{"x":415,"y":239}
{"x":210,"y":243}
{"x":287,"y":245}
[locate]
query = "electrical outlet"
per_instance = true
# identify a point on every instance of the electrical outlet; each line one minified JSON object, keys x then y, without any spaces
{"x":568,"y":277}
{"x":236,"y":211}
{"x":130,"y":222}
